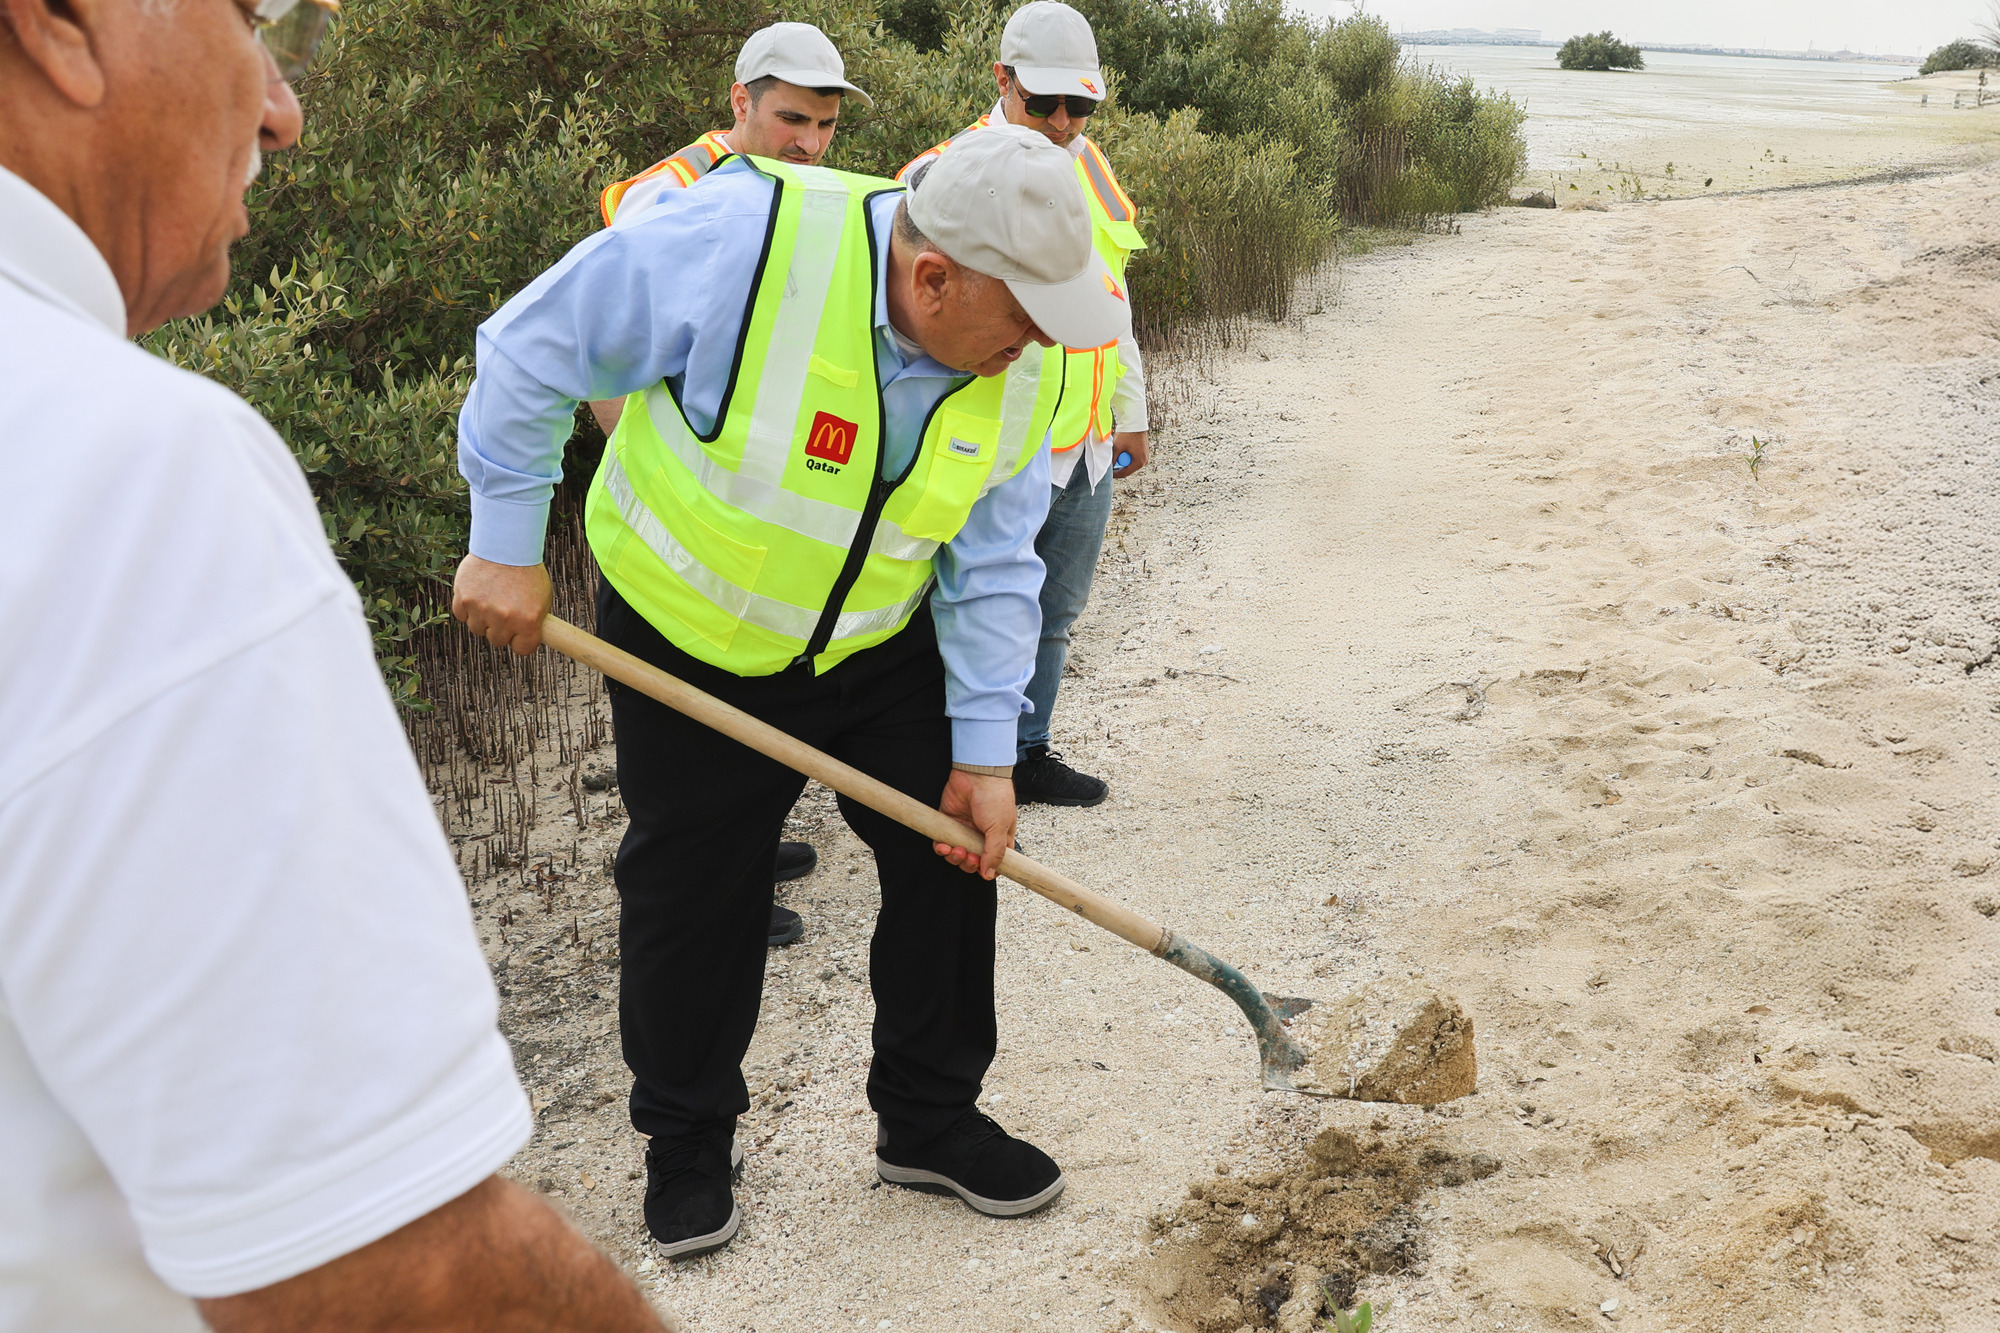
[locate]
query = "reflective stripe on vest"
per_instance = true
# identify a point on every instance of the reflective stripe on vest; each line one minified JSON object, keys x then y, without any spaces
{"x":774,"y":538}
{"x":930,"y":154}
{"x":1112,"y":203}
{"x":1089,"y":374}
{"x":796,"y":622}
{"x":684,"y":168}
{"x":769,"y":500}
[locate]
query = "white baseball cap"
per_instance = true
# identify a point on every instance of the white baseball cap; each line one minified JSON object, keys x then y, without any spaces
{"x":1006,"y":202}
{"x":1051,"y":49}
{"x":799,"y":54}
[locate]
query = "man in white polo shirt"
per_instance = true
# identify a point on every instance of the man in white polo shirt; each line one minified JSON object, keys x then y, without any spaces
{"x":249,"y":1071}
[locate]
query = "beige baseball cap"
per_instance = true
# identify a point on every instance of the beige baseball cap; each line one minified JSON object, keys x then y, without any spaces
{"x":799,"y":54}
{"x":1006,"y":202}
{"x":1051,"y":50}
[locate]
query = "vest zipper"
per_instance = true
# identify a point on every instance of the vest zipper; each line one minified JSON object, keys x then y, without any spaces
{"x":879,"y":489}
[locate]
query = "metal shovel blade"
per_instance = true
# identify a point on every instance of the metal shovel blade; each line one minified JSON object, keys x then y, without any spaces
{"x":1287,"y":1066}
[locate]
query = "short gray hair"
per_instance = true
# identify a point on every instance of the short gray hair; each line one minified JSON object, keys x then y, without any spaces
{"x":909,"y":233}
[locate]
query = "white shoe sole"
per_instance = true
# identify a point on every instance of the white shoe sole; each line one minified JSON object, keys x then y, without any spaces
{"x":930,"y":1182}
{"x":696,"y":1246}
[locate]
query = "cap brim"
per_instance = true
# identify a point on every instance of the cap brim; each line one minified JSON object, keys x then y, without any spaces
{"x":1090,"y":310}
{"x":816,"y":78}
{"x":1048,"y":81}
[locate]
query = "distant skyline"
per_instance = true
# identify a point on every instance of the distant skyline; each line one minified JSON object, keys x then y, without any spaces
{"x":1913,"y":27}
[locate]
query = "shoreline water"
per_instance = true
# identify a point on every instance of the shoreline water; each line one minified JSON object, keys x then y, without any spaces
{"x":1694,"y":124}
{"x":1411,"y":39}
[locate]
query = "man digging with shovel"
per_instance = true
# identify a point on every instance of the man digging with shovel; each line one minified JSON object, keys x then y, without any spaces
{"x":790,"y":81}
{"x":815,"y":434}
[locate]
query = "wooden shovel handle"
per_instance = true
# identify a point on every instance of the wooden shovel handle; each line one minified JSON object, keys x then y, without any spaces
{"x":850,"y":782}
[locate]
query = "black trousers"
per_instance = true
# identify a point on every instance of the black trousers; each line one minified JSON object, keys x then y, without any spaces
{"x":694,"y":882}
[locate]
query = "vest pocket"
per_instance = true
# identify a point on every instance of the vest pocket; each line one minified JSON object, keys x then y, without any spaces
{"x":960,"y":450}
{"x":833,"y":374}
{"x":1124,"y":235}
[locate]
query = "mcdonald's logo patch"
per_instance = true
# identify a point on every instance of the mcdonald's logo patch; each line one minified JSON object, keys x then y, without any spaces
{"x":831,"y":439}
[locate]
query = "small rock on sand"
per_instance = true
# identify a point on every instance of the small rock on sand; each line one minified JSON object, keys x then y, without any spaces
{"x":1539,"y":199}
{"x":1397,"y":1041}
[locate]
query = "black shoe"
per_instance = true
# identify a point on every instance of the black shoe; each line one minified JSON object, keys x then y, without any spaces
{"x":1041,"y":777}
{"x":981,"y":1163}
{"x":795,"y":861}
{"x":690,"y":1209}
{"x":786,"y":926}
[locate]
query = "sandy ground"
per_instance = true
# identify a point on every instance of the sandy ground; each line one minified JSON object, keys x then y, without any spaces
{"x":1460,"y":606}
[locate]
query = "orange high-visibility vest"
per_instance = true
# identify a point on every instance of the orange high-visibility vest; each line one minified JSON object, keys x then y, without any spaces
{"x":684,"y":168}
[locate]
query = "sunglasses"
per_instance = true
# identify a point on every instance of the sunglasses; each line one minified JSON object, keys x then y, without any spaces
{"x":292,"y":30}
{"x":1044,"y":105}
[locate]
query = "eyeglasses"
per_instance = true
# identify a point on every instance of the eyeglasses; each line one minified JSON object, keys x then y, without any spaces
{"x":292,"y":30}
{"x":1045,"y":105}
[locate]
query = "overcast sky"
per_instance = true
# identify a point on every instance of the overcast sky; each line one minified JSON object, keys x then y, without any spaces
{"x":1908,"y":27}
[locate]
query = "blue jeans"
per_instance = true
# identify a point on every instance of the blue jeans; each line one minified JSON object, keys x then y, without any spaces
{"x":1069,"y":543}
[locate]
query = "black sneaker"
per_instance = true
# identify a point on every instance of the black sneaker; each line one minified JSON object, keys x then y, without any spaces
{"x":1041,"y":777}
{"x":690,"y":1209}
{"x":795,"y":861}
{"x":786,"y":926}
{"x":981,"y":1163}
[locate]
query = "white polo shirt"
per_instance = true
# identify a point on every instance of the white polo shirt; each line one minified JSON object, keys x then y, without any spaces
{"x":245,"y":1026}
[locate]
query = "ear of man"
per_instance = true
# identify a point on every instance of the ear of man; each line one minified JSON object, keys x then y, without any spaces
{"x":58,"y":40}
{"x":931,"y":271}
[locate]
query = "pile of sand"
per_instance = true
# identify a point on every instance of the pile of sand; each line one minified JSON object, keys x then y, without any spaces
{"x":1268,"y":1249}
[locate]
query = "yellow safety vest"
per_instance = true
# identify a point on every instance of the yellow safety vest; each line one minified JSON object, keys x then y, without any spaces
{"x":1089,"y":374}
{"x":774,"y":540}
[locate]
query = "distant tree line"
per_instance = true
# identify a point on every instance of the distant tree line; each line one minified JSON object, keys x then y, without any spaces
{"x":1599,"y":50}
{"x":1961,"y":54}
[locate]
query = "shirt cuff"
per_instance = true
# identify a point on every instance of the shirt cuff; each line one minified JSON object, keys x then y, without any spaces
{"x":508,"y":533}
{"x":982,"y":741}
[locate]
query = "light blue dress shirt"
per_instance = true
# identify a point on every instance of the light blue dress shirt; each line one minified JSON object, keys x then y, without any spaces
{"x":663,"y":297}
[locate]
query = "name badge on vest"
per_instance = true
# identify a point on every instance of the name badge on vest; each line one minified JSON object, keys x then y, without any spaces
{"x":963,"y":448}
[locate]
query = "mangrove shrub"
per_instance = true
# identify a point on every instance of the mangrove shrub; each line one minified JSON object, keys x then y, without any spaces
{"x":1599,"y":50}
{"x":1960,"y":54}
